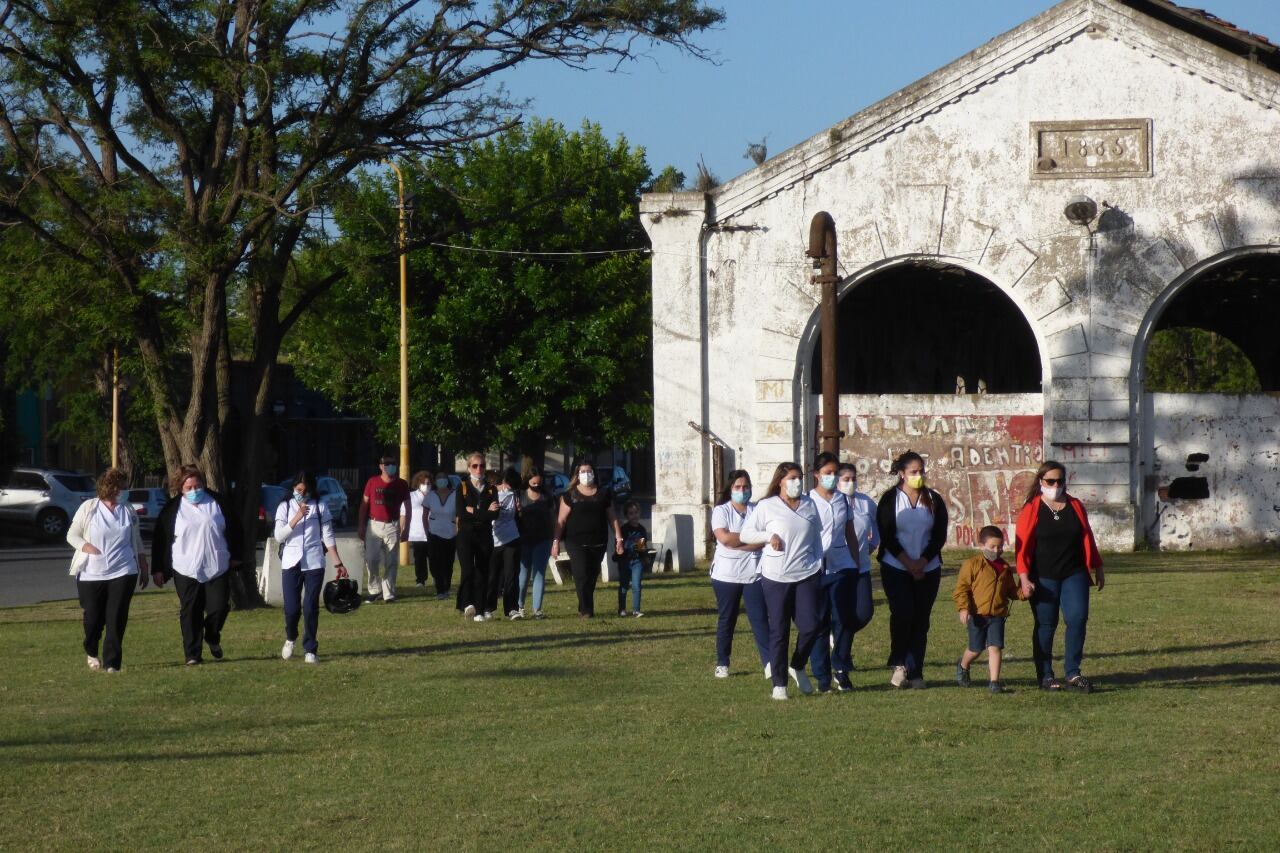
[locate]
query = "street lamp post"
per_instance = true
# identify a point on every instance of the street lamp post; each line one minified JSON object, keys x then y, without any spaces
{"x":404,"y":342}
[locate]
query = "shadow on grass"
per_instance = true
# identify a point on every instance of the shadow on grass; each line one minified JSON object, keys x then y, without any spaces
{"x":1207,"y":675}
{"x":130,"y":757}
{"x":537,"y":641}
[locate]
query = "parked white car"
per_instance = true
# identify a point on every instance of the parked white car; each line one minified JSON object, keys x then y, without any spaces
{"x":147,"y":503}
{"x":44,"y":499}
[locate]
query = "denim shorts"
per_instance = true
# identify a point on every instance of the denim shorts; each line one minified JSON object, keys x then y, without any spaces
{"x":985,"y":631}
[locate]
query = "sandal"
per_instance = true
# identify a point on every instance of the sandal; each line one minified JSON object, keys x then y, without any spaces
{"x":1050,"y":683}
{"x":1080,"y":684}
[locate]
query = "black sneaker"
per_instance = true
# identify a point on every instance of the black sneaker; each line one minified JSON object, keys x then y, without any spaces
{"x":843,"y":684}
{"x":824,"y":688}
{"x":1050,"y":684}
{"x":215,"y":649}
{"x":995,"y":687}
{"x":962,"y":675}
{"x":373,"y":599}
{"x":1080,"y":684}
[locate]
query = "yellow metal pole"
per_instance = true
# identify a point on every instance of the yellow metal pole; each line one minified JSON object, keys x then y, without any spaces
{"x":404,"y":345}
{"x":115,"y":407}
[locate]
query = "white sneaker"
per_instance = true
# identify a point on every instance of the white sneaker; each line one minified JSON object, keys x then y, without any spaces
{"x":488,"y":614}
{"x":538,"y":614}
{"x":801,"y":679}
{"x":480,"y":617}
{"x":311,"y":658}
{"x":899,"y":676}
{"x":722,"y":672}
{"x":916,"y":684}
{"x":622,"y":613}
{"x":515,"y":614}
{"x":637,"y":614}
{"x":779,"y":693}
{"x":111,"y":669}
{"x":469,"y":611}
{"x":287,"y":651}
{"x":94,"y":663}
{"x":768,"y":671}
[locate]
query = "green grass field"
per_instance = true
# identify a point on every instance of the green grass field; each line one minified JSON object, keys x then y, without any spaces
{"x":418,"y":731}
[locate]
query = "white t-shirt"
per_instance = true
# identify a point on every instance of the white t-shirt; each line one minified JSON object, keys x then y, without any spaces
{"x":729,"y":564}
{"x":305,"y":544}
{"x":915,"y":526}
{"x":416,"y":531}
{"x":835,"y":515}
{"x":863,"y":511}
{"x":504,"y":526}
{"x":200,"y":540}
{"x":111,"y":532}
{"x":442,"y":517}
{"x":800,"y":530}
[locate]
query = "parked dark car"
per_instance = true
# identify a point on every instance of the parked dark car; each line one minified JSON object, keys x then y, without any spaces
{"x":331,"y":492}
{"x":615,"y":479}
{"x":268,"y":501}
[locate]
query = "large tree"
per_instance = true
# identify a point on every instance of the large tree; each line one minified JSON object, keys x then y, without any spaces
{"x":532,"y":323}
{"x":177,"y":155}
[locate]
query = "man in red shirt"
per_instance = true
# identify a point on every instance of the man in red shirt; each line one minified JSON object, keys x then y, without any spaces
{"x":381,"y":528}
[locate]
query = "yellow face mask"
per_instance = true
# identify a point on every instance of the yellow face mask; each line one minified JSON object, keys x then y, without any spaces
{"x":916,"y":481}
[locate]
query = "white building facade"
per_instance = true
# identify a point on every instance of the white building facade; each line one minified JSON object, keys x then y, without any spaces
{"x":980,"y":326}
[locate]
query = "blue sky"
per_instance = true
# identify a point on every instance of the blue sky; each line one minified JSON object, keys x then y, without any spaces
{"x":788,"y":69}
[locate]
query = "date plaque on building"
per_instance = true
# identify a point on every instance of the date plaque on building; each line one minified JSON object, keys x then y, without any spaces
{"x":1113,"y":148}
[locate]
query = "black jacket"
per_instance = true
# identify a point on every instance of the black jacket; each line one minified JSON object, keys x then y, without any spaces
{"x":887,"y":521}
{"x":480,"y":521}
{"x":162,"y":538}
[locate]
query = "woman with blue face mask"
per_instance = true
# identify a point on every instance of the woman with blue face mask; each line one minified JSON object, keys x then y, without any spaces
{"x":195,"y":537}
{"x":735,"y":573}
{"x":833,"y":649}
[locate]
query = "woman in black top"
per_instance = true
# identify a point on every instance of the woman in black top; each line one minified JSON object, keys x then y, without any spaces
{"x":586,"y":515}
{"x":1057,"y":562}
{"x":537,"y":528}
{"x":477,"y":504}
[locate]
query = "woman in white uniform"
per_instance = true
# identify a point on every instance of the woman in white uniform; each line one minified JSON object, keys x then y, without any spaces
{"x":735,"y":573}
{"x":195,"y":539}
{"x":913,"y":528}
{"x":862,"y":511}
{"x":304,"y":527}
{"x":791,"y":569}
{"x":441,"y":506}
{"x":419,"y":488}
{"x":839,"y":580}
{"x":108,"y":565}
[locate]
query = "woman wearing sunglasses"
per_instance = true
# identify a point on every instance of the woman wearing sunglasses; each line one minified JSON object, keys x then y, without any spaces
{"x":1058,"y":561}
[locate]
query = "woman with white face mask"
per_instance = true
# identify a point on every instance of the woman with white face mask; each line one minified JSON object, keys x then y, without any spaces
{"x":584,"y":523}
{"x":913,"y":528}
{"x":419,"y":488}
{"x":441,"y":506}
{"x":1058,"y":561}
{"x":504,"y":561}
{"x":735,"y":574}
{"x":791,"y":570}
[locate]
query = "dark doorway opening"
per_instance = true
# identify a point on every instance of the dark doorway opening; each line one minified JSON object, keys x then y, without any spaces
{"x":1218,"y":333}
{"x":931,"y":329}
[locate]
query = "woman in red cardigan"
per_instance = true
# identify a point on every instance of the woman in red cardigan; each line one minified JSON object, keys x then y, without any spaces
{"x":1058,"y":561}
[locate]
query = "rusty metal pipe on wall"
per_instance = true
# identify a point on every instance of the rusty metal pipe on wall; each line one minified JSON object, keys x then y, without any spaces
{"x":822,"y":249}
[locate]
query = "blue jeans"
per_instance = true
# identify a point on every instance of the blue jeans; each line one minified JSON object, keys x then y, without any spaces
{"x":784,"y":602}
{"x":910,"y":606}
{"x":629,"y":574}
{"x":1070,"y":596}
{"x":730,"y":597}
{"x":846,"y":611}
{"x":533,"y":562}
{"x":302,"y":598}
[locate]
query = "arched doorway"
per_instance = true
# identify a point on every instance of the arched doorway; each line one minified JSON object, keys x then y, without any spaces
{"x":1207,"y":372}
{"x":936,"y":358}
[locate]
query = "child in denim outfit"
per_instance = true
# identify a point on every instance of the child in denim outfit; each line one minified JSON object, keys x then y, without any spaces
{"x":635,"y":542}
{"x":983,"y":591}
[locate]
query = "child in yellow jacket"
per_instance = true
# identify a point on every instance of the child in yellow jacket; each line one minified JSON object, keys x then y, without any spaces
{"x":983,"y":591}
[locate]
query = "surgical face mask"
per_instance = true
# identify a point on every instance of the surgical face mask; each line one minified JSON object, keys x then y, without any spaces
{"x":916,"y":481}
{"x":300,"y":497}
{"x":792,"y":487}
{"x":424,"y":488}
{"x":390,"y":469}
{"x":992,"y":554}
{"x":586,"y":478}
{"x":847,"y":487}
{"x":195,"y":495}
{"x":503,"y":491}
{"x":1051,"y":493}
{"x":828,"y":481}
{"x":740,"y":496}
{"x":442,"y":482}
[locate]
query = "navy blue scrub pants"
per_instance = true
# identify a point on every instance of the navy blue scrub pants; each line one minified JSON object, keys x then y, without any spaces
{"x":784,"y":602}
{"x":845,"y":609}
{"x":730,"y":598}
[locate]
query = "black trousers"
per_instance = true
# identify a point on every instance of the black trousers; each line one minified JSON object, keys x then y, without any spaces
{"x":584,"y":565}
{"x":474,"y":547}
{"x":106,"y":608}
{"x":910,"y":608}
{"x":419,"y":550}
{"x":440,"y":556}
{"x":504,"y":578}
{"x":203,"y":611}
